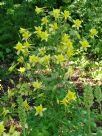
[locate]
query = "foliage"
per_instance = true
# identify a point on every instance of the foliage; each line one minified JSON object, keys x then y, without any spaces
{"x":45,"y":101}
{"x":54,"y":45}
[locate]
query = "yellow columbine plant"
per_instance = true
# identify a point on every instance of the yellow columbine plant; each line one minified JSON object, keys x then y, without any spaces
{"x":44,"y":56}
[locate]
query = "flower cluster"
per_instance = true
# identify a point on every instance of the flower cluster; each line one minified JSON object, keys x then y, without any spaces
{"x":70,"y":96}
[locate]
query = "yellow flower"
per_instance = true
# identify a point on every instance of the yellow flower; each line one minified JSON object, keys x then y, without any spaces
{"x":56,"y":13}
{"x":45,"y":60}
{"x":93,"y":32}
{"x":37,"y":85}
{"x":39,"y":10}
{"x":22,"y":30}
{"x":38,"y":31}
{"x":33,"y":59}
{"x":71,"y":95}
{"x":53,"y":26}
{"x":26,"y":105}
{"x":25,"y":52}
{"x":42,"y":51}
{"x":44,"y":20}
{"x":84,"y":43}
{"x":39,"y":110}
{"x":26,"y":34}
{"x":66,"y":14}
{"x":69,"y":44}
{"x":20,"y":59}
{"x":64,"y":102}
{"x":19,"y":46}
{"x":59,"y":58}
{"x":2,"y":129}
{"x":65,"y":38}
{"x":77,"y":23}
{"x":21,"y":69}
{"x":70,"y":52}
{"x":27,"y":44}
{"x":44,"y":36}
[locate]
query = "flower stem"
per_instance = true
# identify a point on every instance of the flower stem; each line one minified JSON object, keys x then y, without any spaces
{"x":89,"y":122}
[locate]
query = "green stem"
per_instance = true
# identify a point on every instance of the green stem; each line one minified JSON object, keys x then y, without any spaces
{"x":100,"y":106}
{"x":24,"y":132}
{"x":89,"y":122}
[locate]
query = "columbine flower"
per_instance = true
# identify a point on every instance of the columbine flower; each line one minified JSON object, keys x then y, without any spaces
{"x":59,"y":58}
{"x":39,"y":10}
{"x":26,"y":105}
{"x":33,"y":59}
{"x":69,"y":44}
{"x":37,"y":85}
{"x":1,"y":128}
{"x":84,"y":43}
{"x":66,"y":14}
{"x":20,"y":59}
{"x":64,"y":101}
{"x":70,"y":52}
{"x":26,"y":34}
{"x":27,"y":44}
{"x":93,"y":32}
{"x":53,"y":27}
{"x":39,"y":110}
{"x":56,"y":13}
{"x":21,"y":69}
{"x":65,"y":38}
{"x":44,"y":21}
{"x":77,"y":23}
{"x":25,"y":52}
{"x":71,"y":96}
{"x":42,"y":51}
{"x":38,"y":30}
{"x":44,"y":36}
{"x":19,"y":46}
{"x":45,"y":60}
{"x":22,"y":30}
